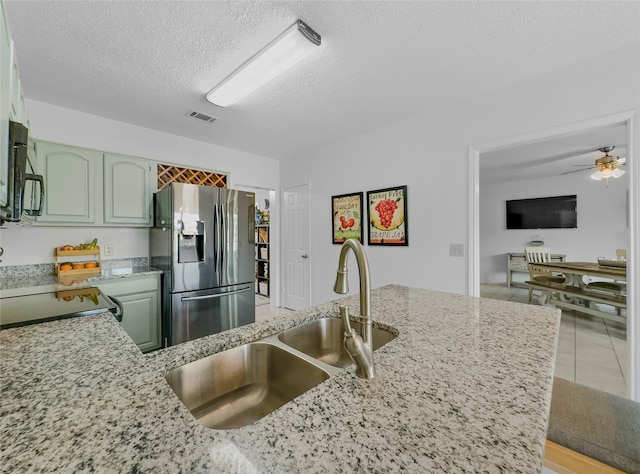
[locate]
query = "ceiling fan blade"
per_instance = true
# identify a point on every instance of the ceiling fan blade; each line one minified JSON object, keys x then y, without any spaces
{"x":584,"y":165}
{"x":576,"y":171}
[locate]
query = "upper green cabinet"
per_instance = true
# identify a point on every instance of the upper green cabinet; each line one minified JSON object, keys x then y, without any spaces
{"x":88,"y":187}
{"x":5,"y":105}
{"x":71,"y":181}
{"x":11,"y":101}
{"x":127,"y":190}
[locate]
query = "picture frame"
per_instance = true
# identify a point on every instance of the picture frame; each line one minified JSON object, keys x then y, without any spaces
{"x":387,"y":216}
{"x":347,"y":217}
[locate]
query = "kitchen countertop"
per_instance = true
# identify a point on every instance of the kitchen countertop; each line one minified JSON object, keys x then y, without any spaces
{"x":465,"y":387}
{"x":20,"y":285}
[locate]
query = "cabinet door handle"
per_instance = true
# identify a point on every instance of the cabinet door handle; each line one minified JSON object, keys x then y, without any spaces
{"x":305,"y":256}
{"x":119,"y":308}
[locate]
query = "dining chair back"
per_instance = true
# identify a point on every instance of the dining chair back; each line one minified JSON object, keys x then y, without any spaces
{"x":537,"y":254}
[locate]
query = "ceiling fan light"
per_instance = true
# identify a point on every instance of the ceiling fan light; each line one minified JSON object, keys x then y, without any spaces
{"x":290,"y":47}
{"x":617,"y":172}
{"x":597,"y":176}
{"x":606,"y":173}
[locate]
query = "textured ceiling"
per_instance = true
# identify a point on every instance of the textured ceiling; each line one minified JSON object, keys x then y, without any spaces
{"x":150,"y":62}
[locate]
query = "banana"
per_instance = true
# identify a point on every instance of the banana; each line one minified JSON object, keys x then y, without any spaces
{"x":93,"y":298}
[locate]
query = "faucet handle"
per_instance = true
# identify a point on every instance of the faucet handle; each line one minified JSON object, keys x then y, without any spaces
{"x":344,"y":313}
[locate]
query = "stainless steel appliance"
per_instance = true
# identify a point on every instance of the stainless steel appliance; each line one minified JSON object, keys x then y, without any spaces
{"x":25,"y":191}
{"x":43,"y":307}
{"x":203,"y":240}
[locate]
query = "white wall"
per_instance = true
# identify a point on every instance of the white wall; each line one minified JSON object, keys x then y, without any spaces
{"x":602,"y":221}
{"x":429,"y":153}
{"x":24,"y":245}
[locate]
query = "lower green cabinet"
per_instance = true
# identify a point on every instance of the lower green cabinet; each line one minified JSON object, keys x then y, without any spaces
{"x":140,"y":299}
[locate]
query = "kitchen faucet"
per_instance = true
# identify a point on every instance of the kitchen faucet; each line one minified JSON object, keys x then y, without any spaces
{"x":359,"y":347}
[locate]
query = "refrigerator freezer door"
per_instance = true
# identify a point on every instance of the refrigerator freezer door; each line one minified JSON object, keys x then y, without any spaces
{"x":197,"y":314}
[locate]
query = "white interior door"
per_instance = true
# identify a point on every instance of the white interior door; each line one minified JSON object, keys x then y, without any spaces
{"x":297,"y":261}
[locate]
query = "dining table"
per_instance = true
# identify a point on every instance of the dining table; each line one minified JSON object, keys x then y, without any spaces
{"x":577,"y":294}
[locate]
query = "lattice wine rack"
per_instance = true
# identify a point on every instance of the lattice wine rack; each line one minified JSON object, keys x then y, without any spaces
{"x":174,"y":174}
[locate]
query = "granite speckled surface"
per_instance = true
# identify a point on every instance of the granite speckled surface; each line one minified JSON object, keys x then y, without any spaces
{"x":30,"y":279}
{"x":465,"y":387}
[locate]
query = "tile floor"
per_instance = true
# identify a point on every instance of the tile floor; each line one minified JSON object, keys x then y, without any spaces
{"x":266,"y":311}
{"x":591,"y":351}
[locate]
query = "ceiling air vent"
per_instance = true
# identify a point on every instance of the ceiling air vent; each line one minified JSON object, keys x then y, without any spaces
{"x":201,"y":116}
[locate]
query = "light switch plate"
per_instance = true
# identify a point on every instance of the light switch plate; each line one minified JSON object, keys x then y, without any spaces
{"x":108,"y":250}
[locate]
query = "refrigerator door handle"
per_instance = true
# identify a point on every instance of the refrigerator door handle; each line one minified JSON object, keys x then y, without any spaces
{"x":216,"y":239}
{"x":217,"y":295}
{"x":223,"y":238}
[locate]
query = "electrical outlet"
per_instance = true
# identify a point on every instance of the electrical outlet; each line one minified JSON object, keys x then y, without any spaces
{"x":108,"y":250}
{"x":456,"y":250}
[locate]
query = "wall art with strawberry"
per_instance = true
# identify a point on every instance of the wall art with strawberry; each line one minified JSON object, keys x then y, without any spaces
{"x":346,"y":217}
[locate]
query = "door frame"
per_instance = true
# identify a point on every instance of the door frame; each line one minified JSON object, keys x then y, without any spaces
{"x":283,"y":242}
{"x":632,"y":120}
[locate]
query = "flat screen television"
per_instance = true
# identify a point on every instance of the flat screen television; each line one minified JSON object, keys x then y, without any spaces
{"x":555,"y":212}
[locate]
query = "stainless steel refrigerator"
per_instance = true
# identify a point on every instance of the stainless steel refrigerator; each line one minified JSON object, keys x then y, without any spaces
{"x":203,"y":240}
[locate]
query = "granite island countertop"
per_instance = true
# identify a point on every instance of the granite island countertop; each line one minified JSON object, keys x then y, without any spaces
{"x":464,"y":387}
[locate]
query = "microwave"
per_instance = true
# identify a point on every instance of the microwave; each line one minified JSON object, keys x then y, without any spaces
{"x":25,"y":191}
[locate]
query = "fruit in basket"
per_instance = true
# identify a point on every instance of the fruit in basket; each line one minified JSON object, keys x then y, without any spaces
{"x":66,"y":247}
{"x":66,"y":266}
{"x":68,"y":298}
{"x":90,"y":246}
{"x":78,"y":266}
{"x":91,"y":265}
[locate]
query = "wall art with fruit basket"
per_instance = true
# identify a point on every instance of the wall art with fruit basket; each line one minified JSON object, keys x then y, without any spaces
{"x":387,"y":213}
{"x":346,"y":216}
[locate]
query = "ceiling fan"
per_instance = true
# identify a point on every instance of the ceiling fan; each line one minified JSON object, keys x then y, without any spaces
{"x":607,"y":166}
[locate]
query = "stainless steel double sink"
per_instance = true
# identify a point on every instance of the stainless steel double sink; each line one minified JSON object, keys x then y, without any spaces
{"x":238,"y":386}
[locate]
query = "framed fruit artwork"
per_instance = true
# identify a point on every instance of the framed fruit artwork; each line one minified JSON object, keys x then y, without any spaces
{"x":387,"y":216}
{"x":346,"y":217}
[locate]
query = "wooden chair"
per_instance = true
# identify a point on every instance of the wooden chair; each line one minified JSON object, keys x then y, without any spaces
{"x":536,"y":255}
{"x":615,"y":287}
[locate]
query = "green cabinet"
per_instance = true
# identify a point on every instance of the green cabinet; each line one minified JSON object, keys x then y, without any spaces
{"x":140,"y":299}
{"x":91,"y":187}
{"x":12,"y":104}
{"x":5,"y":106}
{"x":71,"y":182}
{"x":127,"y":190}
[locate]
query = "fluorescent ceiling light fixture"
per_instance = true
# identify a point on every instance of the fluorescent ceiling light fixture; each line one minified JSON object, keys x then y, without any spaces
{"x":294,"y":44}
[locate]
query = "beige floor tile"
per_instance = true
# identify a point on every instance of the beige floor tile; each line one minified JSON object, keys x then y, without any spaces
{"x":602,"y":379}
{"x":565,"y":356}
{"x":266,"y":311}
{"x":601,"y":358}
{"x":566,"y":372}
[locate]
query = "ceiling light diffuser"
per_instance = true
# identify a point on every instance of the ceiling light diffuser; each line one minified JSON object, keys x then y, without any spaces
{"x":294,"y":44}
{"x":607,"y":173}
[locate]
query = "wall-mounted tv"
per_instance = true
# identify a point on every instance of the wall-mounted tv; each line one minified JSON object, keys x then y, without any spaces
{"x":555,"y":212}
